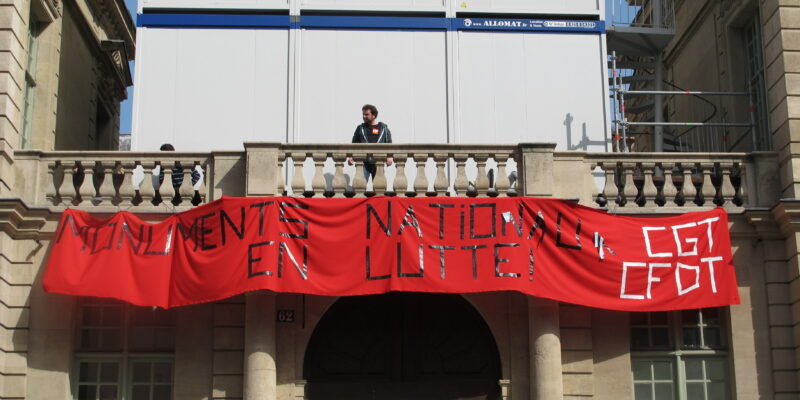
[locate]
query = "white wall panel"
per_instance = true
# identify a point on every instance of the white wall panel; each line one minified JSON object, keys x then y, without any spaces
{"x":402,"y":73}
{"x":532,"y":88}
{"x":204,"y":89}
{"x":530,"y":6}
{"x":218,"y":4}
{"x":375,"y":5}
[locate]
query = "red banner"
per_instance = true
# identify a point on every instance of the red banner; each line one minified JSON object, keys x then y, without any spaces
{"x":340,"y":247}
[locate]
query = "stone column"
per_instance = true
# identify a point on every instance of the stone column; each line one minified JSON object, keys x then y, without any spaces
{"x":545,"y":349}
{"x":259,"y":346}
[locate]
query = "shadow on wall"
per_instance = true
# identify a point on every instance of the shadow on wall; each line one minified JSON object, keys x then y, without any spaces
{"x":585,"y":142}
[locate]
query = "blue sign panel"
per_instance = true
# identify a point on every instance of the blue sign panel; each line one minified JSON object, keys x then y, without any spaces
{"x":546,"y":25}
{"x":362,"y":22}
{"x":212,"y":20}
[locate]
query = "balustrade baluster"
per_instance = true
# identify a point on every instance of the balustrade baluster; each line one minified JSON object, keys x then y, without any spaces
{"x":379,"y":180}
{"x":440,"y":183}
{"x":338,"y":183}
{"x":740,"y":193}
{"x":400,"y":183}
{"x":461,"y":183}
{"x":126,"y":189}
{"x":629,"y":190}
{"x":708,"y":190}
{"x":166,"y":189}
{"x":298,"y":181}
{"x":421,"y":180}
{"x":160,"y":180}
{"x":499,"y":185}
{"x":649,"y":190}
{"x":501,"y":181}
{"x":69,"y":192}
{"x":726,"y":190}
{"x":688,"y":189}
{"x":514,"y":175}
{"x":106,"y":191}
{"x":610,"y":190}
{"x":668,"y":192}
{"x":199,"y":186}
{"x":52,"y":191}
{"x":184,"y":190}
{"x":318,"y":180}
{"x":87,"y":190}
{"x":145,"y":186}
{"x":359,"y":181}
{"x":482,"y":180}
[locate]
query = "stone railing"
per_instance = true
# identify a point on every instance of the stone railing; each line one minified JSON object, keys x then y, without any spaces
{"x":624,"y":182}
{"x":684,"y":180}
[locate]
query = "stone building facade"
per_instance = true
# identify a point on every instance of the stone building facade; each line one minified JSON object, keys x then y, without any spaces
{"x":64,"y":72}
{"x":268,"y":346}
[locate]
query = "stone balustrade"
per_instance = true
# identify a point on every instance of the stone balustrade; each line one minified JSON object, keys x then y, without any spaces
{"x":629,"y":182}
{"x":684,"y":180}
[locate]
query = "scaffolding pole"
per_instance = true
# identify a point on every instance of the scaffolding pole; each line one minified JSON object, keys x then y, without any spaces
{"x":729,"y":124}
{"x":681,"y":92}
{"x":616,"y":99}
{"x":658,"y":101}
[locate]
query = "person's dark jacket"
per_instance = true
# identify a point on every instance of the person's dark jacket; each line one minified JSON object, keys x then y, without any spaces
{"x":360,"y":135}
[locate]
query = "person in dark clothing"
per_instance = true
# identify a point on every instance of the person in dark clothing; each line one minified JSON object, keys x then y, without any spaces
{"x":371,"y":131}
{"x":177,"y":171}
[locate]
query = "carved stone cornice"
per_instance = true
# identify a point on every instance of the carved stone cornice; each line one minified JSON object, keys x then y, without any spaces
{"x":113,"y":18}
{"x":22,"y":222}
{"x":787,"y":215}
{"x":46,"y":10}
{"x":763,"y":223}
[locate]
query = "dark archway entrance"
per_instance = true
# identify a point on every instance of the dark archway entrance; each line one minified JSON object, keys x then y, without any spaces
{"x":402,"y":346}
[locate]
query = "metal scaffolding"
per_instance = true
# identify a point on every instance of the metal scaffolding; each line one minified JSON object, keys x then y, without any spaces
{"x":621,"y":122}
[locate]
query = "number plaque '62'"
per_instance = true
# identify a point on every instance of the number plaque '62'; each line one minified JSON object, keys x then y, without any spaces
{"x":285,"y":315}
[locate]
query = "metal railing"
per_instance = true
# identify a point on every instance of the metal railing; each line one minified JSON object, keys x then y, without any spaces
{"x":708,"y":128}
{"x":641,"y":13}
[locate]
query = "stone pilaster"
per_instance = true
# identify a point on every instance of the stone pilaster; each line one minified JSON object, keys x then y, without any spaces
{"x":263,"y":173}
{"x":785,"y":315}
{"x":13,"y":59}
{"x":535,"y":169}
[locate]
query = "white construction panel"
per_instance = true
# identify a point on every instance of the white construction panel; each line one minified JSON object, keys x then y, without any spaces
{"x":530,"y":6}
{"x":375,"y":5}
{"x":402,"y":73}
{"x":536,"y":87}
{"x":204,"y":89}
{"x":216,"y":4}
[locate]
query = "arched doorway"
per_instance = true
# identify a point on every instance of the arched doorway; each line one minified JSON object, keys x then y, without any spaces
{"x":402,"y":346}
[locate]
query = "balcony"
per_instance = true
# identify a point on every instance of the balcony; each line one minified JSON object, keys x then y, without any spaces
{"x":639,"y":27}
{"x":107,"y":182}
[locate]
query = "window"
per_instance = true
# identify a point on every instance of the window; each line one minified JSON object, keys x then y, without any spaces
{"x":123,"y":352}
{"x":679,"y":355}
{"x":755,"y":82}
{"x":30,"y":81}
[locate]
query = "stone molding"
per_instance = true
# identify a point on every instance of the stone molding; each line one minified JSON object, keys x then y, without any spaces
{"x":22,"y":222}
{"x":787,"y":215}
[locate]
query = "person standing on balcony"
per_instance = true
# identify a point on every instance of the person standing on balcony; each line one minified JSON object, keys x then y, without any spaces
{"x":371,"y":131}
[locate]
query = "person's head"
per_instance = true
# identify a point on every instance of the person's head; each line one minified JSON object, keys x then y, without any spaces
{"x":369,"y":113}
{"x":167,"y":147}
